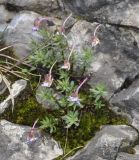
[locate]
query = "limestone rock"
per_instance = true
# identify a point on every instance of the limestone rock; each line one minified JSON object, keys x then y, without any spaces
{"x":107,"y":143}
{"x":19,"y":33}
{"x":127,"y":101}
{"x":17,"y":88}
{"x":126,"y":156}
{"x":39,"y":6}
{"x":107,"y":11}
{"x":13,"y":144}
{"x":115,"y":59}
{"x":6,"y":16}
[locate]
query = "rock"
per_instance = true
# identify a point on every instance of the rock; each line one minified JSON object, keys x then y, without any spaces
{"x":6,"y":16}
{"x":107,"y":143}
{"x":14,"y":146}
{"x":46,"y":101}
{"x":115,"y":59}
{"x":107,"y":11}
{"x":3,"y":1}
{"x":44,"y":6}
{"x":136,"y":148}
{"x":127,"y":101}
{"x":16,"y":89}
{"x":19,"y":33}
{"x":126,"y":156}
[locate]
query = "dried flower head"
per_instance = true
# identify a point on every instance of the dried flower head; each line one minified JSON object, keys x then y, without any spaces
{"x":67,"y":64}
{"x":48,"y":78}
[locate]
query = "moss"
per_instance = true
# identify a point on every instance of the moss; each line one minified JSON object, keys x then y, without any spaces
{"x":27,"y":110}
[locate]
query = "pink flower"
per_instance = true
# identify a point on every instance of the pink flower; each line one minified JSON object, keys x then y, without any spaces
{"x":75,"y":96}
{"x":38,"y":23}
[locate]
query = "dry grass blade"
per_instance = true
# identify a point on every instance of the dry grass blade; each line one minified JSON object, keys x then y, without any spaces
{"x":5,"y":48}
{"x":7,"y":83}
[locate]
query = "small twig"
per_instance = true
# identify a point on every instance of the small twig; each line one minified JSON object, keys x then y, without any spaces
{"x":5,"y":48}
{"x":11,"y":58}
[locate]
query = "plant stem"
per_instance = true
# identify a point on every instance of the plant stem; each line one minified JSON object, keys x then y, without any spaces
{"x":71,"y":152}
{"x":66,"y":141}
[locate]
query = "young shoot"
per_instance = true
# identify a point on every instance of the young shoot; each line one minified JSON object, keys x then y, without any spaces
{"x":71,"y":119}
{"x":49,"y":123}
{"x":48,"y":78}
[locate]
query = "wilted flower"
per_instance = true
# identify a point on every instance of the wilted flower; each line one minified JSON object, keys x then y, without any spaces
{"x":75,"y":96}
{"x":95,"y":39}
{"x":48,"y":79}
{"x":66,"y":65}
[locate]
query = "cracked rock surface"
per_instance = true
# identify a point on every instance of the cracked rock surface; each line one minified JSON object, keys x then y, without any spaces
{"x":123,"y":12}
{"x":107,"y":142}
{"x":115,"y":59}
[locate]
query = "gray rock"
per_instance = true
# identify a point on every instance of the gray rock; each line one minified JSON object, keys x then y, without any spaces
{"x":107,"y":11}
{"x":136,"y":148}
{"x":127,"y":101}
{"x":3,"y":1}
{"x":43,"y":6}
{"x":107,"y":143}
{"x":16,"y":89}
{"x":13,"y":144}
{"x":115,"y":59}
{"x":126,"y":156}
{"x":19,"y":33}
{"x":6,"y":15}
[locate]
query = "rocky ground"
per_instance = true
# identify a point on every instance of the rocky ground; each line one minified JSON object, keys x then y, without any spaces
{"x":115,"y":62}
